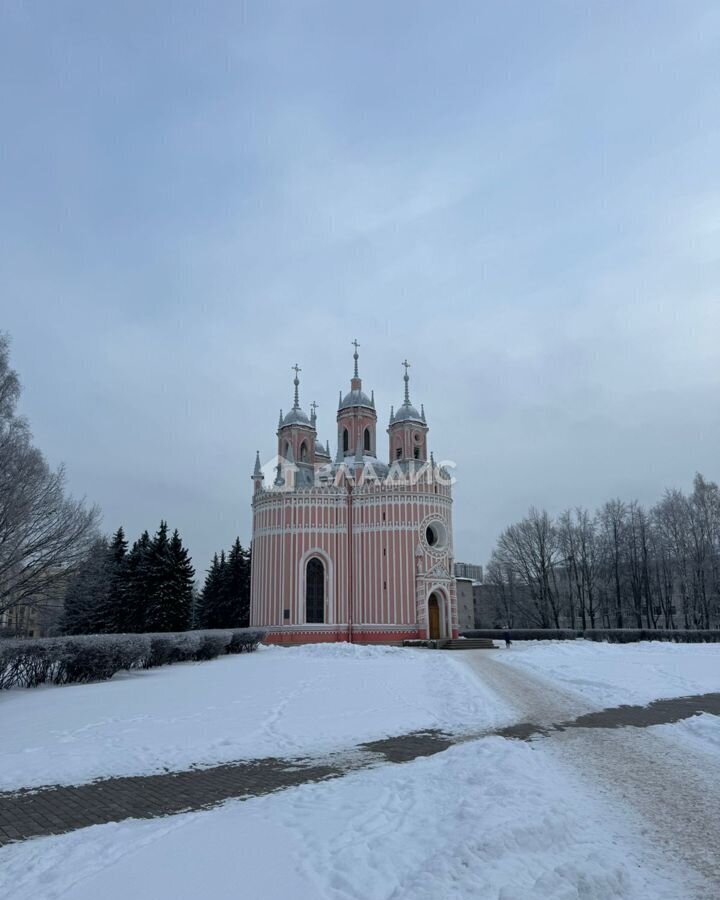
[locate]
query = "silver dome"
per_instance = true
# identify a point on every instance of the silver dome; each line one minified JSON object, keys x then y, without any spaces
{"x":356,"y":398}
{"x":296,"y":417}
{"x":407,"y":413}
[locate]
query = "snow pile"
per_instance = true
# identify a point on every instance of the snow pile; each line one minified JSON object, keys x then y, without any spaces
{"x":494,"y":818}
{"x":698,"y":733}
{"x":613,"y":674}
{"x":280,"y":702}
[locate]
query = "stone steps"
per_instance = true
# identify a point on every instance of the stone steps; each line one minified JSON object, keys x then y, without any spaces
{"x":468,"y":644}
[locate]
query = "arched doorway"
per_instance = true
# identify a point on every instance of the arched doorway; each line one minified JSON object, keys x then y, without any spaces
{"x":315,"y":592}
{"x":433,"y":617}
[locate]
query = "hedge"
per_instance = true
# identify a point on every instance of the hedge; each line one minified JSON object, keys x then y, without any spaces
{"x":82,"y":658}
{"x":611,"y":635}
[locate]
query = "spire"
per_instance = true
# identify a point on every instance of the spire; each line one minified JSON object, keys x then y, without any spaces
{"x":296,"y":382}
{"x":313,"y":413}
{"x":257,"y":472}
{"x":327,"y":447}
{"x":355,"y":357}
{"x":280,"y":420}
{"x":372,"y":399}
{"x":422,"y":411}
{"x":340,"y":399}
{"x":406,"y":379}
{"x":392,"y":413}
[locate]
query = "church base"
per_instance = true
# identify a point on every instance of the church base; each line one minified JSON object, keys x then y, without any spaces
{"x":362,"y":634}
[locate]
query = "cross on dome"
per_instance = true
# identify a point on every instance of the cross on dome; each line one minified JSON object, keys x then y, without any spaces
{"x":296,"y":382}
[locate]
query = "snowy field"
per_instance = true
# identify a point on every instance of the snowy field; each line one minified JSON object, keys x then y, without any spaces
{"x":577,"y":817}
{"x":614,"y":674}
{"x":495,"y":819}
{"x":275,"y":702}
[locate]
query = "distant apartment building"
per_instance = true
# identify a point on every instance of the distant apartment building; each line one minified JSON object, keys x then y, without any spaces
{"x":465,"y":603}
{"x":469,"y":570}
{"x":38,"y":616}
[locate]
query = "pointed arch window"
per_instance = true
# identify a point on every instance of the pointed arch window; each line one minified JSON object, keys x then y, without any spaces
{"x":366,"y":441}
{"x":315,"y":592}
{"x":346,"y":440}
{"x":303,"y":452}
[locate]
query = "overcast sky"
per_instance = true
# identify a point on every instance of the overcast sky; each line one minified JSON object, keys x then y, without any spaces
{"x":522,"y":198}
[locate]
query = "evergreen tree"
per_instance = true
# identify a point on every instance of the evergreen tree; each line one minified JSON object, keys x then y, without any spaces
{"x":237,"y":587}
{"x":87,"y":593}
{"x":159,"y":613}
{"x":204,"y":611}
{"x":181,"y":584}
{"x":113,"y":611}
{"x":225,"y":598}
{"x":136,"y":587}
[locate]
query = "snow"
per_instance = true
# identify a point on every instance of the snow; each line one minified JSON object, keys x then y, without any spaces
{"x":492,"y":819}
{"x":275,"y":702}
{"x":615,"y":674}
{"x":699,"y":733}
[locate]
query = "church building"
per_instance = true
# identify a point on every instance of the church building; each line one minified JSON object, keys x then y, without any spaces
{"x":353,"y":548}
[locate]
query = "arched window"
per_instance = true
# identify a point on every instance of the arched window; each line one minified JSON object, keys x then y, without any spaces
{"x":286,"y":452}
{"x":315,"y":592}
{"x":346,"y":440}
{"x":303,"y":452}
{"x":366,"y":441}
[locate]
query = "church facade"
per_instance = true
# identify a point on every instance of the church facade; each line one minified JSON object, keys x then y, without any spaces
{"x":353,"y":548}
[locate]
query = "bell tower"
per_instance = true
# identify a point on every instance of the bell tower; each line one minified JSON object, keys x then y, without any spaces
{"x":297,"y":436}
{"x":356,"y":418}
{"x":408,"y":429}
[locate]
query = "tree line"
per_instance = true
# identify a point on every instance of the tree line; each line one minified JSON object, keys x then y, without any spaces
{"x":623,"y":566}
{"x":151,"y":588}
{"x":55,"y":562}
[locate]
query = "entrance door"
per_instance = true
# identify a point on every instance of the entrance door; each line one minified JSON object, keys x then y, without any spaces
{"x":434,"y":616}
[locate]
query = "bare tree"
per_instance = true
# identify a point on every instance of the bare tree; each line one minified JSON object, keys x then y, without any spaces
{"x":529,"y":550}
{"x":43,"y":532}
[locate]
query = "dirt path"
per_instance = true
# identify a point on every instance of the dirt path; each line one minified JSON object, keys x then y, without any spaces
{"x":673,"y":790}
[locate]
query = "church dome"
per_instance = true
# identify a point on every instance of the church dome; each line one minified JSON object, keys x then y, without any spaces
{"x":356,"y":398}
{"x":296,"y":416}
{"x":407,"y":413}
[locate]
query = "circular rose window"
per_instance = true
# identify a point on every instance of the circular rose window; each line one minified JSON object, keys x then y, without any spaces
{"x":435,"y":535}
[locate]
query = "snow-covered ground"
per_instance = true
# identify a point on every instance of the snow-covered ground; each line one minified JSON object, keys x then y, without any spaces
{"x":582,"y":815}
{"x":275,"y":702}
{"x":613,"y":674}
{"x":492,"y":819}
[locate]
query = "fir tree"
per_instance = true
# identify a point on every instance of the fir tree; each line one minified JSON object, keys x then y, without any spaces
{"x":181,"y":584}
{"x":86,"y":596}
{"x":136,"y":587}
{"x":225,"y":598}
{"x":159,"y":613}
{"x":204,"y":610}
{"x":237,"y":587}
{"x":113,"y":611}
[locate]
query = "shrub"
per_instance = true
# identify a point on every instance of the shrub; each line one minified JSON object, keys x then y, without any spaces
{"x":83,"y":658}
{"x":525,"y":634}
{"x":211,"y":645}
{"x":611,"y":635}
{"x":241,"y":641}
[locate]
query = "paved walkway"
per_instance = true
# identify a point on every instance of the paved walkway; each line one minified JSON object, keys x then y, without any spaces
{"x":669,"y":786}
{"x":54,"y":810}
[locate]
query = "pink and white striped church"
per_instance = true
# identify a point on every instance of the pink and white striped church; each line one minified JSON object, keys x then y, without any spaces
{"x":354,"y":549}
